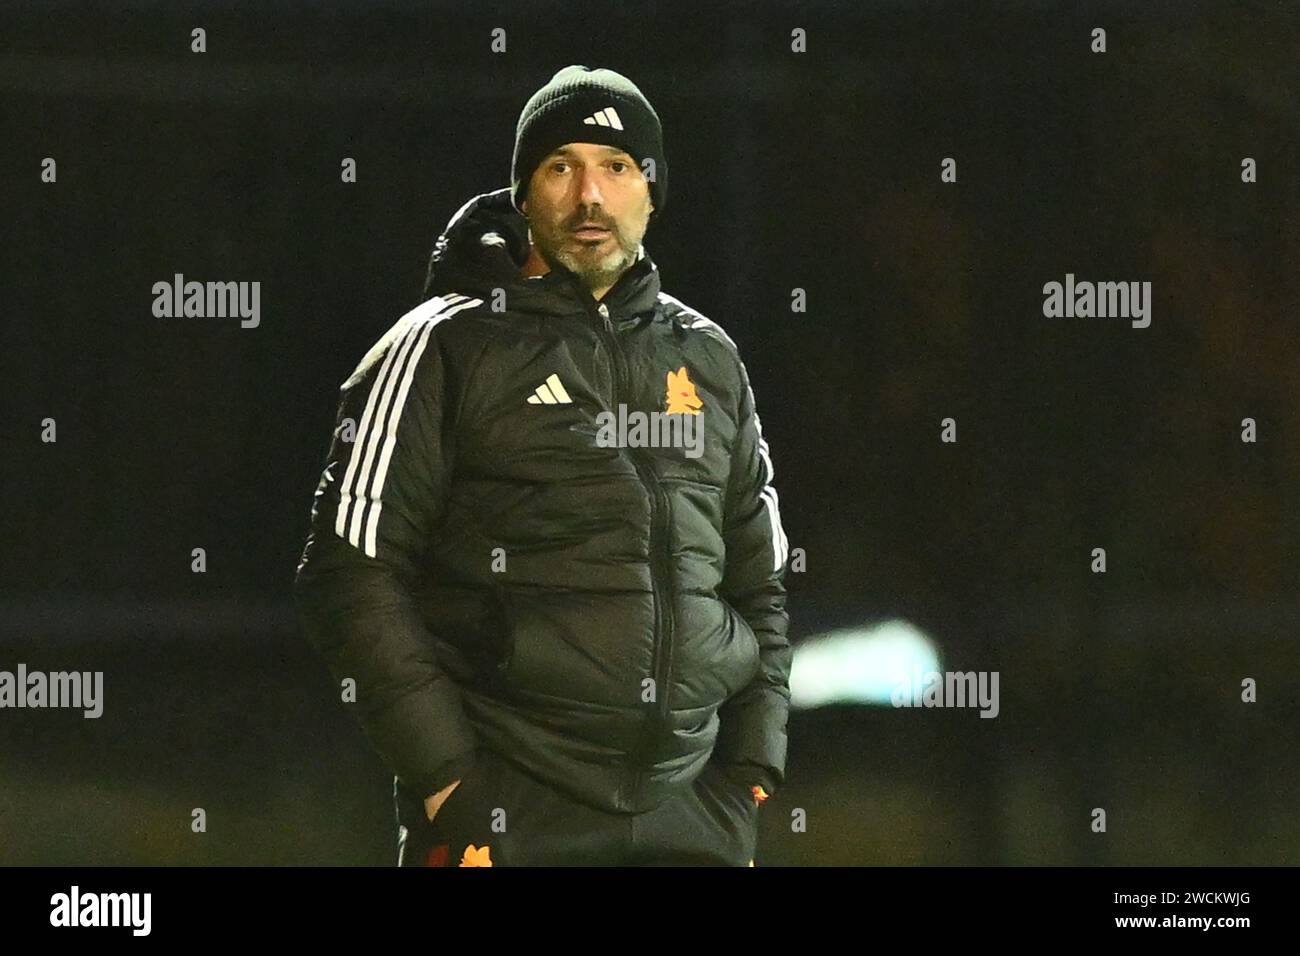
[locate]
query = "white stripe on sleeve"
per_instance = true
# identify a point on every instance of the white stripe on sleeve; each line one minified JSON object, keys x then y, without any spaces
{"x":382,"y":412}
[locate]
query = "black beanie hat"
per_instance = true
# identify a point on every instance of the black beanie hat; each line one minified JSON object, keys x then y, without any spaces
{"x":585,"y":105}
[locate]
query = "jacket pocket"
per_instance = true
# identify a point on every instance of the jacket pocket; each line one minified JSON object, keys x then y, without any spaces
{"x":734,"y":799}
{"x":508,"y":636}
{"x":472,"y":779}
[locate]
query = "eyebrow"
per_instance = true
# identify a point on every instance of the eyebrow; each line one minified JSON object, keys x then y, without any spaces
{"x":609,"y":151}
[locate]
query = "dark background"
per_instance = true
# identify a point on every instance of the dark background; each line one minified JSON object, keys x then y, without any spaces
{"x":818,"y":171}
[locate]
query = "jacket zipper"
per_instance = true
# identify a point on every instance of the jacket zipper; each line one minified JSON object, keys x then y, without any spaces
{"x":659,"y":573}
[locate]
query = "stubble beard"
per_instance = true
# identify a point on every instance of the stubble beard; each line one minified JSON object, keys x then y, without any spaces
{"x":595,"y":272}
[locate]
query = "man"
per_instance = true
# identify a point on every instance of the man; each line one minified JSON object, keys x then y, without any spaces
{"x":568,"y":641}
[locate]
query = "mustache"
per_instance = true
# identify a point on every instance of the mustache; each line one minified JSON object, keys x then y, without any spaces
{"x":583,"y":221}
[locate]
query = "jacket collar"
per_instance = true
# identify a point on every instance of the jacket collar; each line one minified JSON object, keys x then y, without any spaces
{"x":484,"y":247}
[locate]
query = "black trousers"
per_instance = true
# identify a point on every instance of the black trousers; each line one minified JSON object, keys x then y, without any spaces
{"x":500,"y":815}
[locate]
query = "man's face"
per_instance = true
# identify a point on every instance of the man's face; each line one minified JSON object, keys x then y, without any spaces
{"x":588,"y":207}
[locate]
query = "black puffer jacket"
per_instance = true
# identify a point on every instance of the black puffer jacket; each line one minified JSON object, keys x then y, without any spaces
{"x":490,"y":574}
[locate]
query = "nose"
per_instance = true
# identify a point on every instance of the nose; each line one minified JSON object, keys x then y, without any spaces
{"x":589,"y":187}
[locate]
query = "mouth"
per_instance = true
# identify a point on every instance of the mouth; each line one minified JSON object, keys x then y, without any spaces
{"x":592,"y":231}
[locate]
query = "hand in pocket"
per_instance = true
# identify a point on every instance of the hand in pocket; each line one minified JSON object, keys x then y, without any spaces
{"x":728,"y":781}
{"x":433,"y":804}
{"x":437,"y":803}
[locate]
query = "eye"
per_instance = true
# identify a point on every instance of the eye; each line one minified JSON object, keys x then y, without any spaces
{"x":619,"y":162}
{"x":555,"y":166}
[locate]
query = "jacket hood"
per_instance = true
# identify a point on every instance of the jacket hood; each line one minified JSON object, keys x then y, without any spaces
{"x":485,"y":245}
